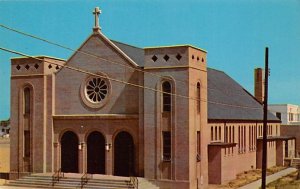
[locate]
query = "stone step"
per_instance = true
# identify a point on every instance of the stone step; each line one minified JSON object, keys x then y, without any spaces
{"x":107,"y":187}
{"x":295,"y":162}
{"x":68,"y":185}
{"x":146,"y":184}
{"x":28,"y":186}
{"x":45,"y":181}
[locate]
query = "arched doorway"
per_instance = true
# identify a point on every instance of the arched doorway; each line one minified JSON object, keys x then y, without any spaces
{"x":69,"y":152}
{"x":124,"y":155}
{"x":96,"y":153}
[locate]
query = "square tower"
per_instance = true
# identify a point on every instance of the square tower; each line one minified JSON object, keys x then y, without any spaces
{"x":176,"y":114}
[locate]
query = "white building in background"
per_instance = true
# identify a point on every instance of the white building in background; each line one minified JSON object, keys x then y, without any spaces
{"x":289,"y":114}
{"x":4,"y":128}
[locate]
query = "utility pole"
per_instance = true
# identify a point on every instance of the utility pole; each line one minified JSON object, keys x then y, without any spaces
{"x":264,"y":155}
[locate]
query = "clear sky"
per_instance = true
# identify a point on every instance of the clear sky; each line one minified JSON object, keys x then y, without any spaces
{"x":234,"y":32}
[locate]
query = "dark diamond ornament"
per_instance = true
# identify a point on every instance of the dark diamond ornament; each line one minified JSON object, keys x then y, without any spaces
{"x":154,"y":58}
{"x":166,"y":57}
{"x":178,"y":56}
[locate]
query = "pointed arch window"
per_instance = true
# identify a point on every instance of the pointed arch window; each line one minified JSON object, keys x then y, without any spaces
{"x":166,"y":88}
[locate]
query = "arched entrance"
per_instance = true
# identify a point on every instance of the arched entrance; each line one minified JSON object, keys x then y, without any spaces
{"x":96,"y":153}
{"x":69,"y":152}
{"x":124,"y":155}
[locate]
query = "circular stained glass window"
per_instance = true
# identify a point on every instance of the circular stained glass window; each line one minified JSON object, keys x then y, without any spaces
{"x":96,"y":89}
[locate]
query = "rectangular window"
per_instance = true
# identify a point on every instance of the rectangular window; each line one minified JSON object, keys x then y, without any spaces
{"x":167,"y":102}
{"x":233,"y":135}
{"x":278,"y":115}
{"x":225,"y":134}
{"x":198,"y":97}
{"x":250,"y":138}
{"x":291,"y":117}
{"x":219,"y":133}
{"x":166,"y":88}
{"x":26,"y":143}
{"x":255,"y":131}
{"x":239,"y":139}
{"x":216,"y":133}
{"x":198,"y":145}
{"x":211,"y":134}
{"x":26,"y":101}
{"x":244,"y":139}
{"x":166,"y":146}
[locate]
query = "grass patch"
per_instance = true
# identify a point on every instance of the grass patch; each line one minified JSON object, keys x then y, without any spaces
{"x":250,"y":176}
{"x":287,"y":182}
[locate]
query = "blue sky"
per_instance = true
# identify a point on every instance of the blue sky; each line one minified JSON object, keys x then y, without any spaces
{"x":234,"y":32}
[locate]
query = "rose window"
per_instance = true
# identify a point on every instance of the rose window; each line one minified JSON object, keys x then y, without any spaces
{"x":96,"y":89}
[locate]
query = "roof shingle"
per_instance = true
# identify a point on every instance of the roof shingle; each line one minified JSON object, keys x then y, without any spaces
{"x":223,"y":91}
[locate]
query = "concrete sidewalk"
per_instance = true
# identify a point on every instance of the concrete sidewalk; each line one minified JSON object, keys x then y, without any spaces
{"x":270,"y":178}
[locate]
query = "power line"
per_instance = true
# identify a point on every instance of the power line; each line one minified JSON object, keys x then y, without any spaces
{"x":94,"y":74}
{"x":88,"y":53}
{"x":104,"y":59}
{"x":124,"y":82}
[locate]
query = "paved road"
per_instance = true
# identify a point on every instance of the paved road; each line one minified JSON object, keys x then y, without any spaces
{"x":270,"y":178}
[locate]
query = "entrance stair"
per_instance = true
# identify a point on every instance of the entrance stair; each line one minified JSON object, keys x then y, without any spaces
{"x":295,"y":162}
{"x":71,"y":180}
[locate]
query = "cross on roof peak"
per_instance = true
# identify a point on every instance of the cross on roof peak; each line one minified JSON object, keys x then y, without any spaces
{"x":96,"y":13}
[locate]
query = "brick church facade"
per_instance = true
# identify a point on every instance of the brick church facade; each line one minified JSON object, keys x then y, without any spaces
{"x":156,"y":112}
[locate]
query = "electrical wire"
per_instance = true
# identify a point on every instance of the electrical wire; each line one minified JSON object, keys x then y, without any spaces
{"x":124,"y":82}
{"x":89,"y":54}
{"x":104,"y":59}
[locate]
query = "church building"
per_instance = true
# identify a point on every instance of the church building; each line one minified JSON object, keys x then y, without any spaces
{"x":156,"y":112}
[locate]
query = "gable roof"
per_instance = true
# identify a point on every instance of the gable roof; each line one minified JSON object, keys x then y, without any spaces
{"x":112,"y":44}
{"x":223,"y":90}
{"x":135,"y":53}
